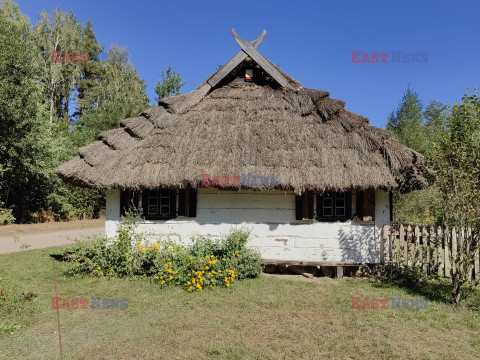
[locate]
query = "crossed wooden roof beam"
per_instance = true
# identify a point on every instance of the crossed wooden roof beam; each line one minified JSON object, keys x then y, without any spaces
{"x":248,"y":49}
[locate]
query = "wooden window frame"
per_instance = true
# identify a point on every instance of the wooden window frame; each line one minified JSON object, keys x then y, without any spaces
{"x":345,"y":196}
{"x":159,"y":195}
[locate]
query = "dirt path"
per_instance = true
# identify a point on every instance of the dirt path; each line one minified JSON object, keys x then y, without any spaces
{"x":26,"y":237}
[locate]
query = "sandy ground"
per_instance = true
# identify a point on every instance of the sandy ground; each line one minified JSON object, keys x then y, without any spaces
{"x":37,"y":236}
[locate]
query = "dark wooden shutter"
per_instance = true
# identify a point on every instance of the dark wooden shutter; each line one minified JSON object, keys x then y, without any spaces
{"x":192,"y":202}
{"x":366,"y":205}
{"x":298,"y":207}
{"x":348,"y":204}
{"x":181,"y":202}
{"x":173,"y":203}
{"x":128,"y":201}
{"x":123,"y":201}
{"x":309,"y":199}
{"x":187,"y":202}
{"x":145,"y":202}
{"x":304,"y":206}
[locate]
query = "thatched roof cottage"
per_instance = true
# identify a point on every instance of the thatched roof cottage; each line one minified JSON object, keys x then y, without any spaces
{"x":252,"y":146}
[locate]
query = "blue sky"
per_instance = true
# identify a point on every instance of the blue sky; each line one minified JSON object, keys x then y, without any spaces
{"x":311,"y":41}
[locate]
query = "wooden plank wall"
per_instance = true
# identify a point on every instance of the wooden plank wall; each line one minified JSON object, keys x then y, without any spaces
{"x":434,"y":249}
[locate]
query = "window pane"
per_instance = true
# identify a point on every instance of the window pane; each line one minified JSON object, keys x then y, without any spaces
{"x":165,"y":193}
{"x":327,"y":212}
{"x":165,"y":210}
{"x":165,"y":201}
{"x":327,"y":202}
{"x":339,"y":202}
{"x":152,"y":209}
{"x":340,"y":212}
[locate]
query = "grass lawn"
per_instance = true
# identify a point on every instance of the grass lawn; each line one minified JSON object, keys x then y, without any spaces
{"x":273,"y":317}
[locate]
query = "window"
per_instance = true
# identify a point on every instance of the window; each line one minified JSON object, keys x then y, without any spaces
{"x":159,"y":204}
{"x":333,"y":206}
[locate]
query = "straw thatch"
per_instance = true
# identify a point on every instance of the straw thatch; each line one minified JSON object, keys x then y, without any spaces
{"x":301,"y":135}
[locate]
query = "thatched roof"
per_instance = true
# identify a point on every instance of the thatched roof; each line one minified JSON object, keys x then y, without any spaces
{"x":301,"y":135}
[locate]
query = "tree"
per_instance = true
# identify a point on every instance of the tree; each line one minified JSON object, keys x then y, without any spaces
{"x":406,"y":122}
{"x":59,"y":33}
{"x":419,"y":131}
{"x":25,"y":140}
{"x":170,"y":84}
{"x":457,"y":161}
{"x":115,"y":94}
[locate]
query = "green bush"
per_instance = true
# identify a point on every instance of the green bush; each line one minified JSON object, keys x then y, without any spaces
{"x":206,"y":264}
{"x":6,"y":215}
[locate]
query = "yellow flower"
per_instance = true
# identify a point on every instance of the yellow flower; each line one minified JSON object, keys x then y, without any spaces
{"x":193,"y":280}
{"x":170,"y":278}
{"x":156,"y":277}
{"x":143,"y":251}
{"x":228,"y":285}
{"x":163,"y":282}
{"x":138,"y":245}
{"x":213,"y":287}
{"x":99,"y":268}
{"x":223,"y":259}
{"x":212,"y":256}
{"x":190,"y":258}
{"x":189,"y":274}
{"x":189,"y":283}
{"x":206,"y":267}
{"x":93,"y":249}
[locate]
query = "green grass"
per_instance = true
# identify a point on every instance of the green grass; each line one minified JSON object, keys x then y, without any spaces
{"x":267,"y":318}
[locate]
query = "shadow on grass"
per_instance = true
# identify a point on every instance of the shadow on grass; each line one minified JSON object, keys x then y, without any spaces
{"x":432,"y":288}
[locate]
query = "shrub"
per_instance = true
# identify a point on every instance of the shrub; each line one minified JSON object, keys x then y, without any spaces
{"x":6,"y":215}
{"x":205,"y":265}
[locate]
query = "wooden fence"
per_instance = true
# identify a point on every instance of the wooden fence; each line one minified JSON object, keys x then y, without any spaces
{"x":435,"y":250}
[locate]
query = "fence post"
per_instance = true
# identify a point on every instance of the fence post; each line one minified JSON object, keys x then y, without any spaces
{"x":409,"y":244}
{"x":468,"y":244}
{"x":431,"y":248}
{"x":447,"y":237}
{"x":402,"y":244}
{"x":385,"y":244}
{"x":454,"y":249}
{"x":418,"y":260}
{"x":425,"y":238}
{"x":440,"y":258}
{"x":477,"y":262}
{"x":394,"y":246}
